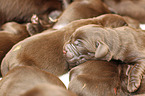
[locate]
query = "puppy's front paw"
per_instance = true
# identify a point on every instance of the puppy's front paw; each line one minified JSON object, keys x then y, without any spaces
{"x":133,"y":83}
{"x":30,"y":28}
{"x":34,"y":19}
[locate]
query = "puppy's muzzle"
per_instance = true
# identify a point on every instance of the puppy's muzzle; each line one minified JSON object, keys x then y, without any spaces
{"x":73,"y":56}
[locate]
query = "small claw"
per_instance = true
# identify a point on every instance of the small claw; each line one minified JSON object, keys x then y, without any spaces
{"x":53,"y":20}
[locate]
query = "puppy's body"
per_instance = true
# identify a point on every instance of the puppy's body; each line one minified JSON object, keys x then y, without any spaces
{"x":122,"y":43}
{"x":95,"y":78}
{"x":48,"y":90}
{"x":81,"y":9}
{"x":11,"y":34}
{"x":21,"y":79}
{"x":131,"y":8}
{"x":100,"y":78}
{"x":45,"y":50}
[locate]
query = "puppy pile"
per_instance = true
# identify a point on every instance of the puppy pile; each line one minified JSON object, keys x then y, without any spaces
{"x":99,"y":42}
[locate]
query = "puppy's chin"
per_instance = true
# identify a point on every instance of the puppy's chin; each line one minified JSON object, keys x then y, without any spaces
{"x":74,"y":62}
{"x":75,"y":56}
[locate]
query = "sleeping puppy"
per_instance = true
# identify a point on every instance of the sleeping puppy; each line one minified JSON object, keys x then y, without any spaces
{"x":105,"y":43}
{"x":24,"y":78}
{"x":131,"y":8}
{"x":81,"y":9}
{"x":101,"y":78}
{"x":44,"y":50}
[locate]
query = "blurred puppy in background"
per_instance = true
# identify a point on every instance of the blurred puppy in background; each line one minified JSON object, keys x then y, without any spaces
{"x":31,"y":81}
{"x":21,"y":10}
{"x":132,"y":8}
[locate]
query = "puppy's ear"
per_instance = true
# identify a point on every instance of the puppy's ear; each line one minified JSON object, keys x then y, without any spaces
{"x":102,"y":49}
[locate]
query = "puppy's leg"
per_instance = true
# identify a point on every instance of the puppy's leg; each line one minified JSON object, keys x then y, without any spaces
{"x":124,"y":80}
{"x":135,"y":75}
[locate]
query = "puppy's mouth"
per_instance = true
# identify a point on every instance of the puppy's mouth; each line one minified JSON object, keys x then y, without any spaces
{"x":74,"y":57}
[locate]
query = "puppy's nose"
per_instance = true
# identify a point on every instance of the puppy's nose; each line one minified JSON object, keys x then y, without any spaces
{"x":64,"y":52}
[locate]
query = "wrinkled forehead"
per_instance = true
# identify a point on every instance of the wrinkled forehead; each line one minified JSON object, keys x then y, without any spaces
{"x":86,"y":32}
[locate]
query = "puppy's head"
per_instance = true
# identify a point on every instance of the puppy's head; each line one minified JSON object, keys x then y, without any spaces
{"x":86,"y":43}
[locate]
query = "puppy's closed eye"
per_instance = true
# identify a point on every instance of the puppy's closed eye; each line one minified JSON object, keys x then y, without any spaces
{"x":78,"y":42}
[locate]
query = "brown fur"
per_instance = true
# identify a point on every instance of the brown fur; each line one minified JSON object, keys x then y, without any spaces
{"x":45,"y":49}
{"x":105,"y":21}
{"x":81,"y":9}
{"x":132,"y":22}
{"x":116,"y":20}
{"x":48,"y":90}
{"x":100,"y":78}
{"x":22,"y":79}
{"x":131,"y":8}
{"x":22,"y":10}
{"x":11,"y":34}
{"x":104,"y":43}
